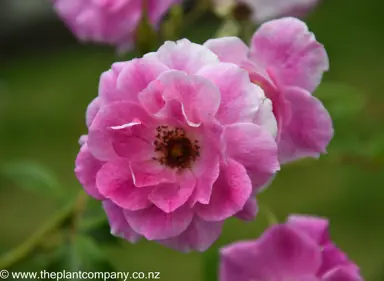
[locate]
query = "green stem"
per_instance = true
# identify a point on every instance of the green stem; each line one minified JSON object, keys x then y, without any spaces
{"x":28,"y":246}
{"x":269,"y":215}
{"x":197,"y":12}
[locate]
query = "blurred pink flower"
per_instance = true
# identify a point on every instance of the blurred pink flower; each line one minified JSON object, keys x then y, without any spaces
{"x":288,"y":63}
{"x":178,"y":142}
{"x":112,"y":22}
{"x":263,"y":10}
{"x":299,"y":250}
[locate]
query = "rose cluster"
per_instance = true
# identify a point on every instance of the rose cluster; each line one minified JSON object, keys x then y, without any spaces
{"x":184,"y":138}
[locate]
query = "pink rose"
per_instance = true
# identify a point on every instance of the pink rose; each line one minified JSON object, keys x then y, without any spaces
{"x":178,"y":142}
{"x":299,"y":250}
{"x":288,"y":63}
{"x":112,"y":22}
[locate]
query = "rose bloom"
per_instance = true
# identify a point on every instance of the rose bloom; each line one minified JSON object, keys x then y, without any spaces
{"x":298,"y":250}
{"x":288,"y":63}
{"x":260,"y":11}
{"x":112,"y":22}
{"x":177,"y":143}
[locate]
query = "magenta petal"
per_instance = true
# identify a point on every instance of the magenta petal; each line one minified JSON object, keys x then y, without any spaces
{"x":333,"y":257}
{"x":103,"y":131}
{"x":185,"y":56}
{"x":199,"y":98}
{"x":92,"y":110}
{"x":206,"y":170}
{"x":108,"y":91}
{"x":287,"y":49}
{"x":118,"y":223}
{"x":310,"y":128}
{"x":280,"y":254}
{"x":114,"y":181}
{"x":251,"y":146}
{"x":154,"y":224}
{"x":169,"y":197}
{"x":86,"y":169}
{"x":314,"y":227}
{"x":136,"y":76}
{"x":230,"y":193}
{"x":200,"y":235}
{"x":228,"y":49}
{"x":239,"y":98}
{"x":249,"y":210}
{"x":342,"y":274}
{"x":150,"y":173}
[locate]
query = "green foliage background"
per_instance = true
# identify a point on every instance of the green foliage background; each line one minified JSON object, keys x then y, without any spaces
{"x":43,"y":96}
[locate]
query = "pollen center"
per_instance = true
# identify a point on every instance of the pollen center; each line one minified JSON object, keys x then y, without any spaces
{"x":174,"y":148}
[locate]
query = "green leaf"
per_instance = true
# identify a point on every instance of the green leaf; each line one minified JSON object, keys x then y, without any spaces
{"x":80,"y":253}
{"x":32,"y":176}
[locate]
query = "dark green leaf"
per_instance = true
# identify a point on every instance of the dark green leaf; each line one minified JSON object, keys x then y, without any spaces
{"x":32,"y":176}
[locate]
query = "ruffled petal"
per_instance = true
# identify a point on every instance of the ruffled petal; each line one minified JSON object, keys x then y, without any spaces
{"x":288,"y":50}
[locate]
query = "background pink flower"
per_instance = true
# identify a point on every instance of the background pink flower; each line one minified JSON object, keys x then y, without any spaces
{"x":178,"y":142}
{"x":288,"y":63}
{"x":112,"y":22}
{"x":300,"y":249}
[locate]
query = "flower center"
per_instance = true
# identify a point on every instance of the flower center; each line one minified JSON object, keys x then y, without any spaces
{"x":175,"y":149}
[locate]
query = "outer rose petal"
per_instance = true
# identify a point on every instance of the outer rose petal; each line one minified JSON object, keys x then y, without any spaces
{"x":314,"y":227}
{"x":114,"y":181}
{"x":341,"y":274}
{"x":154,"y":224}
{"x":135,"y":77}
{"x":309,"y":130}
{"x":186,"y":56}
{"x":92,"y":110}
{"x":200,"y":235}
{"x":251,"y":146}
{"x":333,"y":257}
{"x":249,"y":211}
{"x":288,"y":50}
{"x":86,"y":169}
{"x":228,"y":49}
{"x":230,"y":193}
{"x":118,"y":223}
{"x":240,"y":99}
{"x":280,"y":254}
{"x":108,"y":90}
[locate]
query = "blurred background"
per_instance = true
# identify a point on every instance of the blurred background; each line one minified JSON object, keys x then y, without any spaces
{"x":47,"y":79}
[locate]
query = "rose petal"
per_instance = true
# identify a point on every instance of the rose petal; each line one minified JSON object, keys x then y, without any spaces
{"x":118,"y":223}
{"x":239,"y":98}
{"x":114,"y":181}
{"x":186,"y":56}
{"x":251,"y":146}
{"x":230,"y":193}
{"x":200,"y":235}
{"x":310,"y":129}
{"x":228,"y":49}
{"x":287,"y":49}
{"x":86,"y":169}
{"x":154,"y":224}
{"x":169,"y":197}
